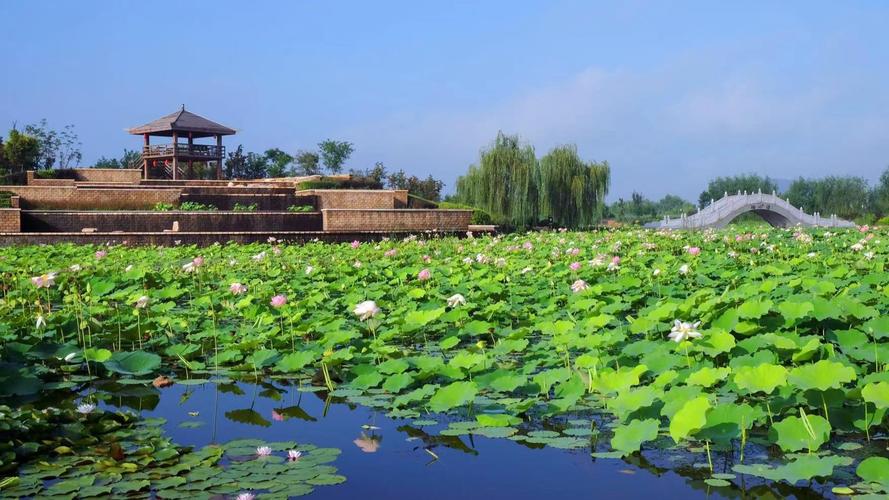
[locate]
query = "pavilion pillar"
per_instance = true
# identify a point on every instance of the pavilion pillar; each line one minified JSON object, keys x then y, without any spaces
{"x":146,"y":141}
{"x":190,"y":161}
{"x":219,"y":160}
{"x":175,"y":156}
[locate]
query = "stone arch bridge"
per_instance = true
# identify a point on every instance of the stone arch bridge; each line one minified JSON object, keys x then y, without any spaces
{"x":774,"y":210}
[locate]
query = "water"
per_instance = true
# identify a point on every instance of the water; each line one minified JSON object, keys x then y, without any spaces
{"x":396,"y":463}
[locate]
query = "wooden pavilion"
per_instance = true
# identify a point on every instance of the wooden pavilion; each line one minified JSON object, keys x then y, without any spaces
{"x":164,"y":160}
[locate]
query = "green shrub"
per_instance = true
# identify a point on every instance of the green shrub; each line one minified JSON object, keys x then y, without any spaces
{"x":4,"y":199}
{"x":300,"y":208}
{"x":163,"y":207}
{"x":245,"y":208}
{"x":318,"y":185}
{"x":884,"y":221}
{"x":191,"y":206}
{"x":479,"y":216}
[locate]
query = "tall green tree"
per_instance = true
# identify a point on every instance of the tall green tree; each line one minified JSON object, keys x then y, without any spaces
{"x":240,"y":165}
{"x":504,"y":183}
{"x":572,"y":191}
{"x":278,"y":161}
{"x":22,"y":152}
{"x":57,"y":148}
{"x":307,"y":163}
{"x":335,"y":153}
{"x":880,"y":196}
{"x":750,"y":183}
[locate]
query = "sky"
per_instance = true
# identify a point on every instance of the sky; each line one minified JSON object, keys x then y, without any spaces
{"x":670,"y":93}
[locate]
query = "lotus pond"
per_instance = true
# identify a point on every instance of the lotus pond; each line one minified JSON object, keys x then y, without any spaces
{"x":625,"y":363}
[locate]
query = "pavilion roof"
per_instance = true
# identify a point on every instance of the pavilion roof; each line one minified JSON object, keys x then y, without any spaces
{"x":182,"y":121}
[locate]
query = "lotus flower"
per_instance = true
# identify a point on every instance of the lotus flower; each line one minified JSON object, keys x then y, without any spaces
{"x":656,"y":271}
{"x":44,"y":280}
{"x":278,"y":301}
{"x":366,"y":310}
{"x":684,"y":331}
{"x":391,"y":252}
{"x":75,"y":268}
{"x":456,"y":300}
{"x":258,"y":257}
{"x":294,"y":455}
{"x":263,"y":451}
{"x":101,"y":254}
{"x":141,"y":302}
{"x":694,"y":251}
{"x":574,"y":266}
{"x":528,"y":245}
{"x":683,"y":269}
{"x":309,"y":269}
{"x":246,"y":496}
{"x":277,"y":416}
{"x":579,"y":286}
{"x":85,"y":408}
{"x":237,"y":288}
{"x":40,"y":321}
{"x":424,"y":275}
{"x":356,"y":244}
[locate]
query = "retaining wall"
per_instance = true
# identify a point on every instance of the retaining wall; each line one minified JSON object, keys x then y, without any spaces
{"x":227,"y":201}
{"x":395,"y":220}
{"x":357,"y":198}
{"x":82,"y":198}
{"x":117,"y":175}
{"x":33,"y":221}
{"x":10,"y":220}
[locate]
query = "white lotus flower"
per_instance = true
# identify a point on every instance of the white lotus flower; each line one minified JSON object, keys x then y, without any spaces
{"x":40,"y":321}
{"x":141,"y":302}
{"x":683,"y":269}
{"x":684,"y":331}
{"x":456,"y":300}
{"x":263,"y":451}
{"x":294,"y":455}
{"x":86,"y":408}
{"x":75,"y":268}
{"x":366,"y":310}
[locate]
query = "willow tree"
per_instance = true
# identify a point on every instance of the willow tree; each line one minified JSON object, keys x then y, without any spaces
{"x":504,"y":183}
{"x":572,"y":191}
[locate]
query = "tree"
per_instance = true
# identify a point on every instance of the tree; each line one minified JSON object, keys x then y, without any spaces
{"x":504,"y":183}
{"x":847,"y":197}
{"x":22,"y":151}
{"x":335,"y":153}
{"x":572,"y":191}
{"x":750,"y":183}
{"x":307,"y":163}
{"x":428,"y":188}
{"x":880,"y":195}
{"x":277,"y":162}
{"x":60,"y":148}
{"x":235,"y":164}
{"x":129,"y":159}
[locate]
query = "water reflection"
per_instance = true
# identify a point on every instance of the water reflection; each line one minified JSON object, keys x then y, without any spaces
{"x":467,"y":465}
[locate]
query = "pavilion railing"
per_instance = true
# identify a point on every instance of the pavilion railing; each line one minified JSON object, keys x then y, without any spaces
{"x":183,"y":150}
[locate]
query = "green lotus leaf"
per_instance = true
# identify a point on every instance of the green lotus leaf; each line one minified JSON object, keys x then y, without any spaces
{"x":629,"y":438}
{"x":765,"y":378}
{"x":823,"y":375}
{"x":691,"y":417}
{"x":877,"y":393}
{"x":798,"y":433}
{"x":874,"y":470}
{"x":453,"y":395}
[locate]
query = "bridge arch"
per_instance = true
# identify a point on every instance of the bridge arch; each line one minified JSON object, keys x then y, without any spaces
{"x":774,"y":210}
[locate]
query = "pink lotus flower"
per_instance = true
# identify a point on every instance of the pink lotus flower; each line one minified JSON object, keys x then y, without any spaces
{"x":574,"y":266}
{"x":277,"y":417}
{"x":366,"y":310}
{"x":198,"y":261}
{"x":579,"y":286}
{"x":294,"y":455}
{"x":427,"y":259}
{"x":44,"y":280}
{"x":142,"y":302}
{"x":391,"y":252}
{"x":263,"y":451}
{"x":615,"y":260}
{"x":246,"y":496}
{"x":528,"y":245}
{"x":865,"y":228}
{"x":278,"y":301}
{"x":424,"y":275}
{"x":101,"y":254}
{"x":356,"y":244}
{"x":237,"y":288}
{"x":694,"y":251}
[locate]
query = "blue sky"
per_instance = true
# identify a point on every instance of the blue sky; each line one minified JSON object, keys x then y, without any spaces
{"x":671,"y":93}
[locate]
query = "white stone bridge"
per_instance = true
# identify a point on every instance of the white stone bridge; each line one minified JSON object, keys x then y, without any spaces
{"x":774,"y":210}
